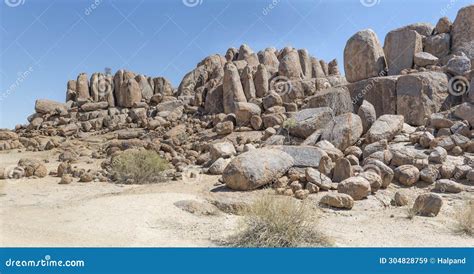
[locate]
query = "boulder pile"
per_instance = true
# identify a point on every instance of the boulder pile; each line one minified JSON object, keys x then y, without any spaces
{"x":403,"y":113}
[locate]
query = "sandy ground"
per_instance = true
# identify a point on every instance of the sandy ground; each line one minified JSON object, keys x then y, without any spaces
{"x":40,"y":212}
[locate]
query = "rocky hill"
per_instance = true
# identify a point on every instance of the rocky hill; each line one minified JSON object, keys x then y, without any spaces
{"x":403,"y":113}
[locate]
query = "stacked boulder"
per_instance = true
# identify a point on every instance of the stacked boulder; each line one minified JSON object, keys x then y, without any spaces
{"x":404,"y":113}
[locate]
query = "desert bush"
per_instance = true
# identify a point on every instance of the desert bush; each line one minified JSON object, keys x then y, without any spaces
{"x":278,"y":221}
{"x":138,"y":166}
{"x":465,"y":218}
{"x":411,"y":213}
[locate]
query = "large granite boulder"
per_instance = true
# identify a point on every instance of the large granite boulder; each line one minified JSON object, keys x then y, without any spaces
{"x":232,"y":88}
{"x":363,"y":56}
{"x":381,"y":92}
{"x":463,"y":32}
{"x":82,"y":86}
{"x":303,"y":156}
{"x":343,"y":131}
{"x":256,"y":168}
{"x":385,"y":128}
{"x":439,"y":45}
{"x":400,"y":47}
{"x":261,"y":81}
{"x":309,"y":120}
{"x":245,"y":111}
{"x":45,"y":106}
{"x":290,"y":66}
{"x":421,"y":94}
{"x":130,"y":93}
{"x":356,"y":187}
{"x":214,"y":100}
{"x":338,"y":99}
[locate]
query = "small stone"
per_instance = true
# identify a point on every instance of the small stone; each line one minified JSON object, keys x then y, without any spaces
{"x":438,"y":155}
{"x":429,"y":174}
{"x":456,"y":151}
{"x":400,"y":198}
{"x":295,"y":186}
{"x":312,"y":188}
{"x":337,"y":200}
{"x":224,"y":128}
{"x":357,"y":187}
{"x":428,"y":204}
{"x":374,"y":179}
{"x":342,"y":170}
{"x":353,"y":160}
{"x":66,"y":179}
{"x":353,"y":150}
{"x":319,"y":179}
{"x":407,"y":175}
{"x":447,"y":171}
{"x":301,"y":194}
{"x":448,"y":186}
{"x":86,"y":178}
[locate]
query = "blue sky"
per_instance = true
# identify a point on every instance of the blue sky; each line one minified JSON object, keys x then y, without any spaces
{"x":44,"y":43}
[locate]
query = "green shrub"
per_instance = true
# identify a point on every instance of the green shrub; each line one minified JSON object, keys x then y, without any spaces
{"x":138,"y":166}
{"x":278,"y":221}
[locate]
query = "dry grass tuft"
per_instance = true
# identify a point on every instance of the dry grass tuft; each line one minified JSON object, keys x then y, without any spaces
{"x":465,"y":219}
{"x":279,"y":221}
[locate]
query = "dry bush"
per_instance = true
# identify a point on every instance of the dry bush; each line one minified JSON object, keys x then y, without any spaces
{"x":411,"y":213}
{"x":465,"y":218}
{"x":138,"y":166}
{"x":278,"y":221}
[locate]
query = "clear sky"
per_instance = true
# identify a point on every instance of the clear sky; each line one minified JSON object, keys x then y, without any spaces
{"x":44,"y":43}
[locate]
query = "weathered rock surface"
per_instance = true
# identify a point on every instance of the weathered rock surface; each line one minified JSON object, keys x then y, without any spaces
{"x":343,"y":131}
{"x":337,"y":200}
{"x":400,"y":48}
{"x":309,"y":120}
{"x":385,"y":127}
{"x":421,"y":94}
{"x":363,"y":56}
{"x":256,"y":168}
